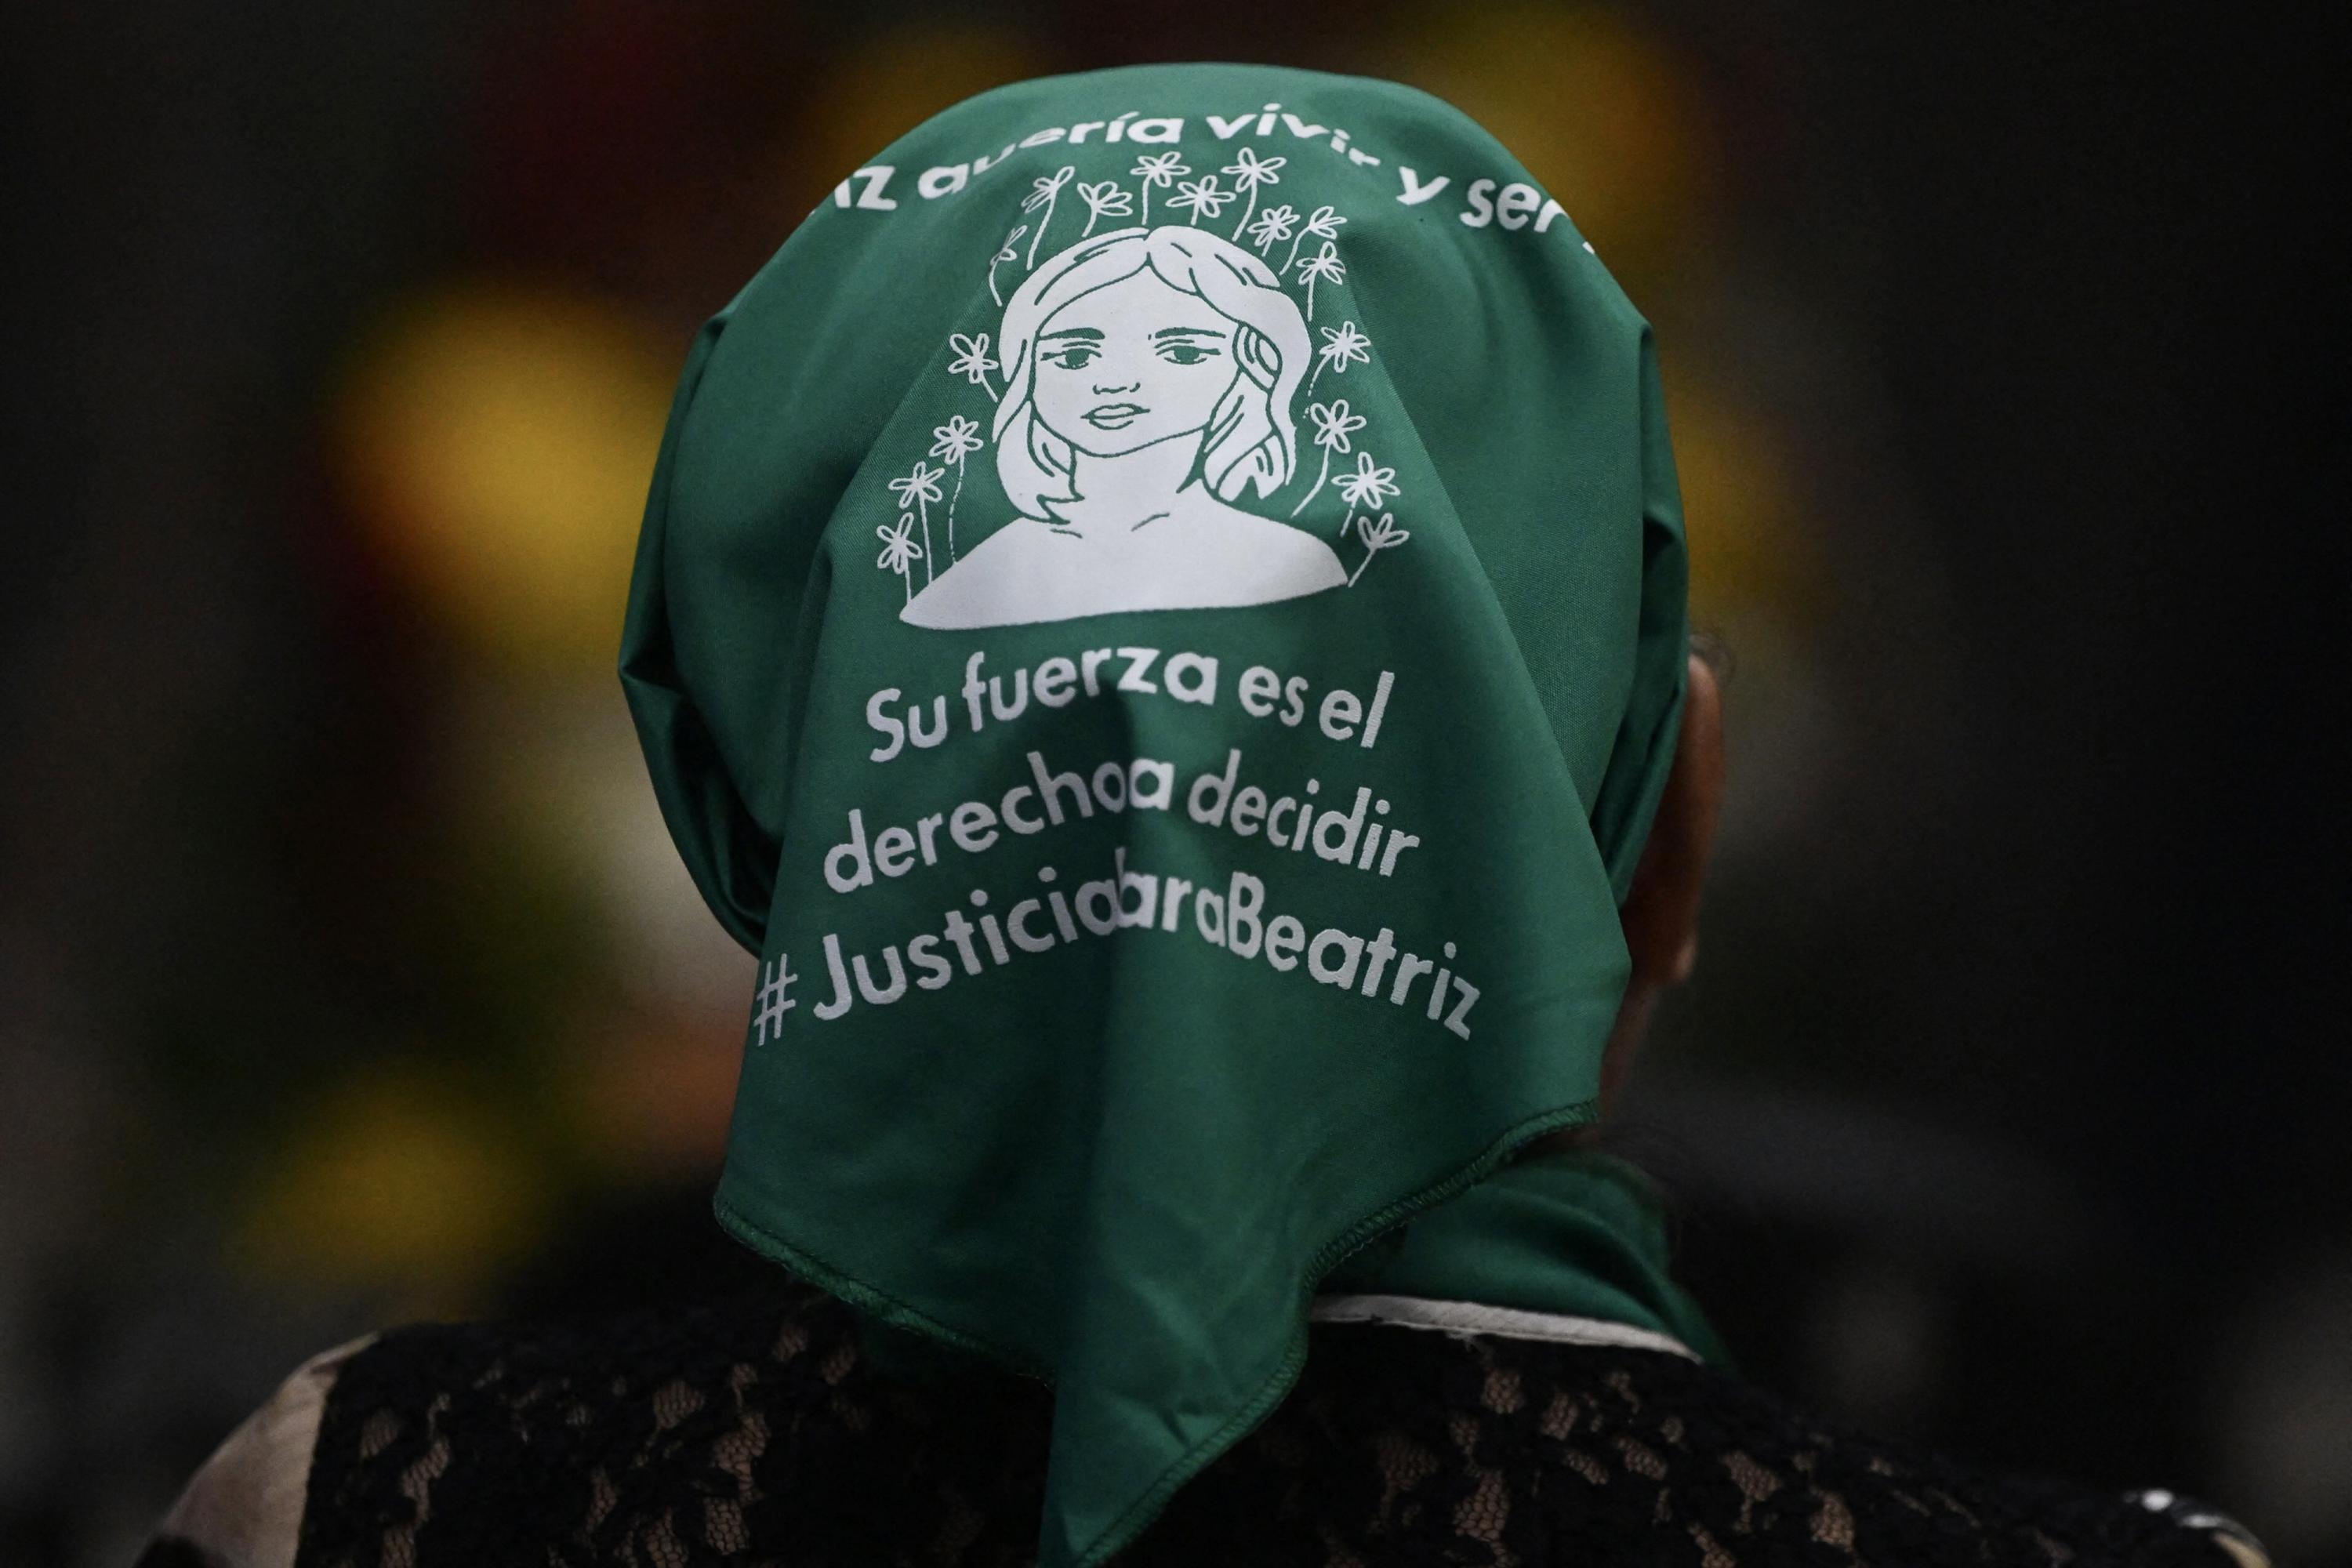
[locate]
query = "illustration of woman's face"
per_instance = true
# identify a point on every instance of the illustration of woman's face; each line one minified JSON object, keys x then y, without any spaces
{"x":1130,"y":364}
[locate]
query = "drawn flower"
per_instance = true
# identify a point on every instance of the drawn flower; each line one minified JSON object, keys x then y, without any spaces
{"x":1204,"y":196}
{"x":1103,"y":200}
{"x":1367,"y":486}
{"x":919,"y":489}
{"x":957,"y":439}
{"x":1376,"y":537}
{"x":1045,"y":189}
{"x":1272,"y":227}
{"x":1045,"y":192}
{"x":1334,"y":425}
{"x":953,"y":442}
{"x":1008,"y":251}
{"x":972,"y":361}
{"x":1344,"y":344}
{"x":1340,"y":349}
{"x":921,"y":484}
{"x":1324,"y":224}
{"x":899,"y":550}
{"x":1324,"y":263}
{"x":1162,"y":169}
{"x":1249,"y":172}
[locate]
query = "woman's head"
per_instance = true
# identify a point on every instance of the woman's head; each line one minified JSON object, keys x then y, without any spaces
{"x":1143,"y":336}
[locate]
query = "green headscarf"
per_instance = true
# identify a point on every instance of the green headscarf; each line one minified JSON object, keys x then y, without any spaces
{"x":1160,"y":620}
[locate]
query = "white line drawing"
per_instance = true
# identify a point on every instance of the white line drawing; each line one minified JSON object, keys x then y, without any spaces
{"x":1162,"y":169}
{"x":1150,"y":376}
{"x":919,"y":489}
{"x":1008,"y":251}
{"x":1103,"y":200}
{"x":1324,"y":224}
{"x":953,"y":442}
{"x":1045,"y":192}
{"x":1324,"y":263}
{"x":972,"y":362}
{"x":1204,"y":196}
{"x":1249,"y":172}
{"x":1334,"y":425}
{"x":1368,"y":487}
{"x":1272,"y":227}
{"x":899,"y":550}
{"x":1342,"y":347}
{"x":1376,"y":537}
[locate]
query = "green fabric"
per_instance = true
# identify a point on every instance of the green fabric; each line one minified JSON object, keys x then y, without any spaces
{"x":1066,"y":1050}
{"x":1582,"y":1235}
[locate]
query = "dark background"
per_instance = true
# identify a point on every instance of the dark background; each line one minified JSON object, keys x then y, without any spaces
{"x":345,"y":975}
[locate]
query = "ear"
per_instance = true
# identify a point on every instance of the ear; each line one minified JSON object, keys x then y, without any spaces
{"x":1661,"y":913}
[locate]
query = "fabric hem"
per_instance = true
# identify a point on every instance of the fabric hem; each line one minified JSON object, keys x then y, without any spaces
{"x":1139,"y":1515}
{"x":858,"y":1293}
{"x":1465,"y":1320}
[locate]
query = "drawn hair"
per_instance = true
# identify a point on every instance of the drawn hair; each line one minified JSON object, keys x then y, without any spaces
{"x":1251,"y":440}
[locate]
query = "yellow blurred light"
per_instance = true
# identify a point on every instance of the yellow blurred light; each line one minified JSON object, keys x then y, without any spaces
{"x":1598,"y":110}
{"x":498,"y":444}
{"x":396,"y":1186}
{"x":1750,"y":551}
{"x":893,"y":81}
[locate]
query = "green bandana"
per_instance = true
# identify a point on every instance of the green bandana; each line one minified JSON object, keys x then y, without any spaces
{"x":1161,"y":619}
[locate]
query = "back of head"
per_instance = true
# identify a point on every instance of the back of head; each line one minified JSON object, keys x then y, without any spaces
{"x":1161,"y":621}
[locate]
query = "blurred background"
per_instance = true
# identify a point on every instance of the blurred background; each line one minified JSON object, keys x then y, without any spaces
{"x":347,"y":975}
